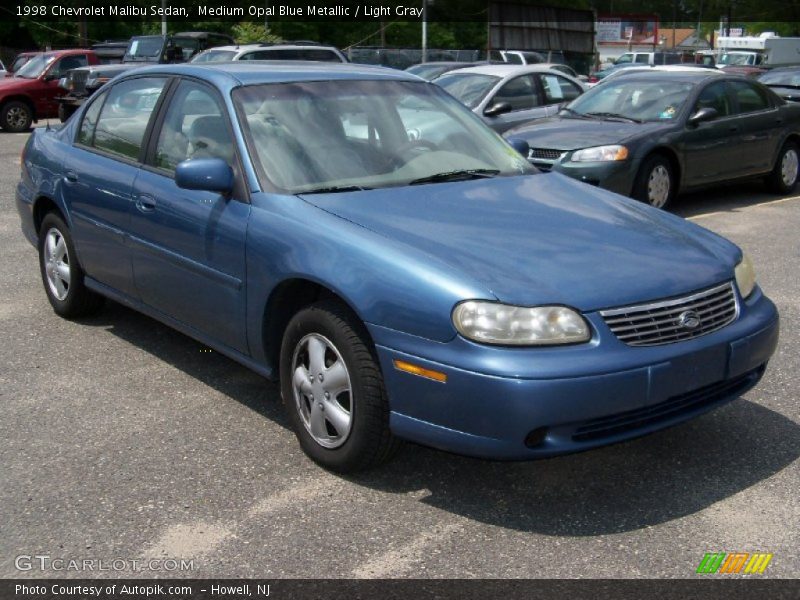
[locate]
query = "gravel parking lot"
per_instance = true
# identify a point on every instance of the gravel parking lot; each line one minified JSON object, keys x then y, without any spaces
{"x":122,"y":439}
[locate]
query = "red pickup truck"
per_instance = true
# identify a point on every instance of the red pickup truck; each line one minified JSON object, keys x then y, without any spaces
{"x":30,"y":95}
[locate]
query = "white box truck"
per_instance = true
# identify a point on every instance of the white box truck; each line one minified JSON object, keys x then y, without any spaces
{"x":765,"y":50}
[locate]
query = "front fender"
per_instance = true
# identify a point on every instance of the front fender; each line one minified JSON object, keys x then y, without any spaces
{"x":386,"y":283}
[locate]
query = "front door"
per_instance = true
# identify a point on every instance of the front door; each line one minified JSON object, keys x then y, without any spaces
{"x":188,"y":246}
{"x":711,"y":149}
{"x":522,"y":94}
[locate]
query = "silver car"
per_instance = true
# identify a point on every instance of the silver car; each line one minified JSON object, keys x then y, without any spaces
{"x":505,"y":96}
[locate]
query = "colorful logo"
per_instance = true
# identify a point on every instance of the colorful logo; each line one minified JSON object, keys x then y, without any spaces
{"x":735,"y":562}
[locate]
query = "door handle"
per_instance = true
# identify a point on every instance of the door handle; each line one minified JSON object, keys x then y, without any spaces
{"x":71,"y":177}
{"x":733,"y":129}
{"x":145,"y":203}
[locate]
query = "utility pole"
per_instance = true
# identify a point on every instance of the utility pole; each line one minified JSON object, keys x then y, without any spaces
{"x":424,"y":31}
{"x":163,"y":17}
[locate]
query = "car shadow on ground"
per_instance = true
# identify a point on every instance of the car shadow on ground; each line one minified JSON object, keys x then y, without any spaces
{"x":731,"y":197}
{"x":193,"y":358}
{"x":620,"y":488}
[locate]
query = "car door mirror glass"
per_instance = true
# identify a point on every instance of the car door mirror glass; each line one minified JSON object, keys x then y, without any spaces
{"x":498,"y":108}
{"x":206,"y":174}
{"x":703,"y":115}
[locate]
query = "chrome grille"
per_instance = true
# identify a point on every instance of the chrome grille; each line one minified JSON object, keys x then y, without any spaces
{"x":544,"y":153}
{"x":674,"y":320}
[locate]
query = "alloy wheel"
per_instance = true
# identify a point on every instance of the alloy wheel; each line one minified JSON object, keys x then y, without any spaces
{"x":56,"y":264}
{"x":789,"y":167}
{"x":658,"y":186}
{"x":322,"y":390}
{"x":17,"y":117}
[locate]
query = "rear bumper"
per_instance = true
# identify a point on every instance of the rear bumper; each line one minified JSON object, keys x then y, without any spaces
{"x":599,"y":393}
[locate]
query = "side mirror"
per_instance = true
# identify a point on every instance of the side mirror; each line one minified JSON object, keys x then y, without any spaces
{"x":702,"y":115}
{"x":519,"y":145}
{"x":207,"y":174}
{"x":50,"y":77}
{"x":498,"y":108}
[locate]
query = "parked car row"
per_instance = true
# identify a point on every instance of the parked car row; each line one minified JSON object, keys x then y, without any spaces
{"x":358,"y":234}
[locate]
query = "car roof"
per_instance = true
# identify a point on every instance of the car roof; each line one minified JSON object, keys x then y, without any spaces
{"x":228,"y":75}
{"x":234,"y":48}
{"x":693,"y":76}
{"x":505,"y":70}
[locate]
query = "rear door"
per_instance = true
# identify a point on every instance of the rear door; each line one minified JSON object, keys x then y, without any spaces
{"x":99,"y":174}
{"x":556,"y":90}
{"x":188,"y":246}
{"x":761,"y":126}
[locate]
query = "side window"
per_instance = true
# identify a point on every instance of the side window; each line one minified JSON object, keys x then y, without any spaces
{"x":125,"y":115}
{"x":558,"y":89}
{"x":86,"y":133}
{"x":520,"y":93}
{"x":715,"y":96}
{"x":643,"y":59}
{"x":749,"y":97}
{"x":194,"y":127}
{"x":67,"y":63}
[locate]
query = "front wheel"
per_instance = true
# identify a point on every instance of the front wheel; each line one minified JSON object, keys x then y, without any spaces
{"x":655,"y":182}
{"x":333,"y":391}
{"x":61,"y":274}
{"x":16,"y":116}
{"x":783,"y":178}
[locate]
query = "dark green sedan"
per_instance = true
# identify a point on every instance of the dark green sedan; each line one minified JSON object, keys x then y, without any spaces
{"x":653,"y":135}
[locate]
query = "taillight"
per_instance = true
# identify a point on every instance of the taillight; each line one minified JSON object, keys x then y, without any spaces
{"x":593,"y":79}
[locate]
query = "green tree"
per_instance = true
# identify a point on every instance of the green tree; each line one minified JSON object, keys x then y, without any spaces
{"x":248,"y":32}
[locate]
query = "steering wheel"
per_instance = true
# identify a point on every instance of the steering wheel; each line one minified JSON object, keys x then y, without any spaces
{"x":398,"y":157}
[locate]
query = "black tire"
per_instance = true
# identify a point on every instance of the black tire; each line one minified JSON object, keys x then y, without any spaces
{"x":369,"y":441}
{"x":65,"y":112}
{"x":655,"y":172}
{"x":16,"y":116}
{"x":77,"y":300}
{"x":776,"y":181}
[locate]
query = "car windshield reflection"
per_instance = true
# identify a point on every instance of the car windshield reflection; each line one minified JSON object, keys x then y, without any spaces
{"x":312,"y":136}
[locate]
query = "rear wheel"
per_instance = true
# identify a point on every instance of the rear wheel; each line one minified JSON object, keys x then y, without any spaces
{"x":16,"y":116}
{"x":783,"y":177}
{"x":655,"y":182}
{"x":62,"y":276}
{"x":333,"y":390}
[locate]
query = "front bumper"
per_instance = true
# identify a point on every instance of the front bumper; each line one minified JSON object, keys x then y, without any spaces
{"x":616,"y":176}
{"x":572,"y":398}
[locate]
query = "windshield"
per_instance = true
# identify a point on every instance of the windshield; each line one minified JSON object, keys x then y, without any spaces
{"x":145,"y":48}
{"x":642,"y":100}
{"x":468,"y":88}
{"x":213,"y":56}
{"x":790,"y":78}
{"x":35,"y":66}
{"x":625,"y":58}
{"x":19,"y":61}
{"x":430,"y":71}
{"x":324,"y":135}
{"x":736,"y":59}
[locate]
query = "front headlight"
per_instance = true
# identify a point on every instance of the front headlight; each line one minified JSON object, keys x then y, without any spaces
{"x":601,"y":154}
{"x":745,"y":276}
{"x":494,"y":323}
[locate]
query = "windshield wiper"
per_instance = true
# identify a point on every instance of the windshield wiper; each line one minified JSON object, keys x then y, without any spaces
{"x":610,"y":115}
{"x":783,"y":85}
{"x":335,"y":189}
{"x":460,"y":175}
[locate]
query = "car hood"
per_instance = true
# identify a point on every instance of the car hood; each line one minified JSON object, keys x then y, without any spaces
{"x":565,"y":134}
{"x":544,"y":239}
{"x":11,"y":83}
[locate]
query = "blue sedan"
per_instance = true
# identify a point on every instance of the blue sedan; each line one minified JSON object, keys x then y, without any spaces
{"x":435,"y":289}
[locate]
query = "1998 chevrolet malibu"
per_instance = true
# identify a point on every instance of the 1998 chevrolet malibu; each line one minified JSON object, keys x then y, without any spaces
{"x":435,"y":290}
